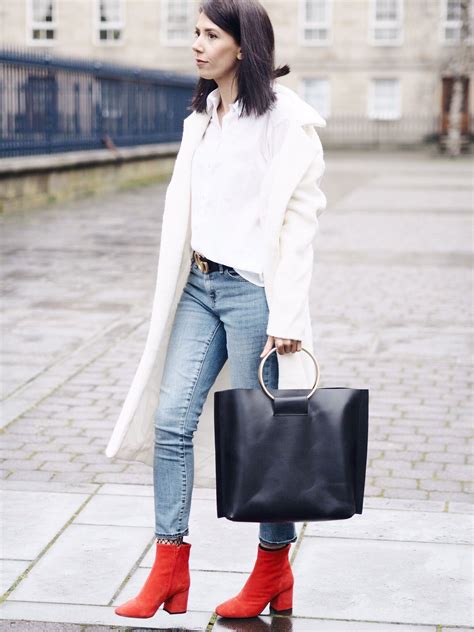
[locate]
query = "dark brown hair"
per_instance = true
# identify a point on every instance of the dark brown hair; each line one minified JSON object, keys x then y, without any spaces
{"x":248,"y":23}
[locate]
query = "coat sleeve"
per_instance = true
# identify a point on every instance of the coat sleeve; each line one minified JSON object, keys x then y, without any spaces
{"x":294,"y":271}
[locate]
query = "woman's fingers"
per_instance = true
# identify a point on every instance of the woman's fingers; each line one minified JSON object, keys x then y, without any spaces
{"x":286,"y":345}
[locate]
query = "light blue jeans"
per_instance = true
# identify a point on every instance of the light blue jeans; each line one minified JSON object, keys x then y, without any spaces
{"x":220,"y":316}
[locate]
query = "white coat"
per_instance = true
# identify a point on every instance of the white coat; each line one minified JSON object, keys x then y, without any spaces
{"x":292,"y":202}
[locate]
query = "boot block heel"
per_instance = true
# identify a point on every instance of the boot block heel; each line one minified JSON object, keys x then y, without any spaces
{"x":282,"y":603}
{"x":177,"y":604}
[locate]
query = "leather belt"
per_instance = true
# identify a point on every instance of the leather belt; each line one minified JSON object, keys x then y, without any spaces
{"x":207,"y":265}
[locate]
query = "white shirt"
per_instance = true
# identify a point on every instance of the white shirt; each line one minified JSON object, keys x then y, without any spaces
{"x":228,"y":167}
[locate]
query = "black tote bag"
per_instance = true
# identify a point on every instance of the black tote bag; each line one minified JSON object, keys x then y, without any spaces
{"x":289,"y":455}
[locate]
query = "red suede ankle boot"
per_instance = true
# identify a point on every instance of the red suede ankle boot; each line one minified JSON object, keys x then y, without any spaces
{"x":168,"y":582}
{"x":271,"y":581}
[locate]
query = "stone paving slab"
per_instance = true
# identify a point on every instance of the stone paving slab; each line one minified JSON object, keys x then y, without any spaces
{"x":422,"y":526}
{"x":404,"y":582}
{"x":33,"y":520}
{"x":127,"y":511}
{"x":9,"y":571}
{"x":437,"y":199}
{"x":85,"y":565}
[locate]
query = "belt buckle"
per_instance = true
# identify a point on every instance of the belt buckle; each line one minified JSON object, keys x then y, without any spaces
{"x":202,"y":265}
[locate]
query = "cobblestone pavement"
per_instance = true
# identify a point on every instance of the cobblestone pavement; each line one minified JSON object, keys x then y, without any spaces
{"x":391,"y":300}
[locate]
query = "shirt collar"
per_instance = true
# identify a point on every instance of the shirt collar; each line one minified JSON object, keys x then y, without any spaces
{"x":213,"y":100}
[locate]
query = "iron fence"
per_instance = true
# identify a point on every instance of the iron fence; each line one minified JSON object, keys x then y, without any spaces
{"x":50,"y":104}
{"x":358,"y":131}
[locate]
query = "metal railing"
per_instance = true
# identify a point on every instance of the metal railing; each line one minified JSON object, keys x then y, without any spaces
{"x":50,"y":104}
{"x":348,"y":130}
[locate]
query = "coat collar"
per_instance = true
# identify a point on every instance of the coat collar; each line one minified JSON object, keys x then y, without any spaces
{"x":292,"y":103}
{"x":288,"y":104}
{"x":287,"y":100}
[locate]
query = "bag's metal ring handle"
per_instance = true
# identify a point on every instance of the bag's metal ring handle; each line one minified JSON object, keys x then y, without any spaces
{"x":316,"y":366}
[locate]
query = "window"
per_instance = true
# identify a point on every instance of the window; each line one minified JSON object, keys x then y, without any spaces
{"x":110,"y":21}
{"x":386,"y":22}
{"x":316,"y":92}
{"x":42,"y":21}
{"x":384,"y":99}
{"x":315,"y":21}
{"x":177,"y":22}
{"x":452,"y":20}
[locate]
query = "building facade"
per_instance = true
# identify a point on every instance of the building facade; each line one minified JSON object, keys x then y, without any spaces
{"x":377,"y":70}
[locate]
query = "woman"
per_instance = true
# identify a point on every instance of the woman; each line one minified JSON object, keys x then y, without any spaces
{"x":233,"y":280}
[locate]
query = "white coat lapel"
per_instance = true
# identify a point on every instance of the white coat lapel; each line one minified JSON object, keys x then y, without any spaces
{"x":176,"y":224}
{"x":285,"y":171}
{"x":194,"y":127}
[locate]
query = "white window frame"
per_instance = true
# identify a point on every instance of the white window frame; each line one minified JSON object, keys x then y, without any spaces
{"x":302,"y":25}
{"x":445,"y":24}
{"x":385,"y":24}
{"x":396,"y":114}
{"x":112,"y":25}
{"x":324,"y":111}
{"x":187,"y":38}
{"x":31,"y":25}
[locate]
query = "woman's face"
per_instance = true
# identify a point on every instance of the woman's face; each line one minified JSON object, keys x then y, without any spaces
{"x":215,"y":47}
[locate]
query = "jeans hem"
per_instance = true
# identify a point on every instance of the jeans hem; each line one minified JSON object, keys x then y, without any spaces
{"x":285,"y":542}
{"x":174,"y":535}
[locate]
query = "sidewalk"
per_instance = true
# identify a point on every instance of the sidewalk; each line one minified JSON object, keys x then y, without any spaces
{"x":76,"y":554}
{"x":391,"y":303}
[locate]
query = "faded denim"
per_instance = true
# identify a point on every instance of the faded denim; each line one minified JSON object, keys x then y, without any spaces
{"x":220,"y":315}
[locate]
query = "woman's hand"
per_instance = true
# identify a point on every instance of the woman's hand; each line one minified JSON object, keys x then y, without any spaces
{"x":283,"y":345}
